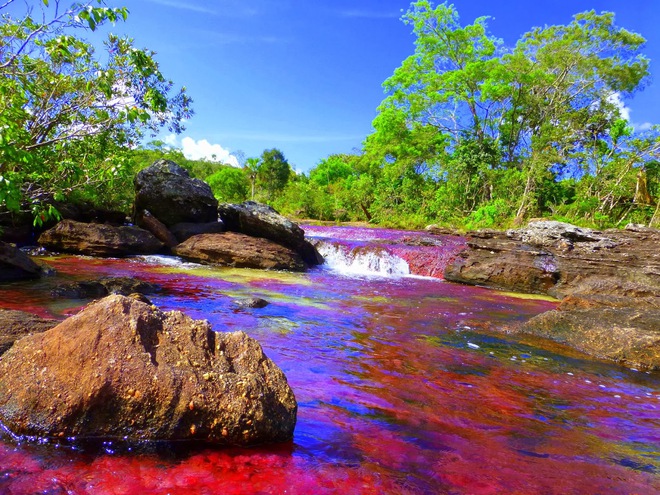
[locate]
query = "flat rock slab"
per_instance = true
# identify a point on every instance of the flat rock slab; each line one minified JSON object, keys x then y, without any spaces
{"x":241,"y":251}
{"x":557,"y":267}
{"x":94,"y":239}
{"x":122,"y":369}
{"x":627,"y":335}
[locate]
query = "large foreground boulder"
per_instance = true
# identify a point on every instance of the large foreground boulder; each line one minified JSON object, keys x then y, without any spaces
{"x":259,"y":220}
{"x":16,"y":265}
{"x":123,"y":369}
{"x":167,"y":191}
{"x":240,"y":251}
{"x":99,"y":240}
{"x":17,"y":324}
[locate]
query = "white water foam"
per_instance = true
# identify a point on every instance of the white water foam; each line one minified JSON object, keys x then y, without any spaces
{"x":361,"y":261}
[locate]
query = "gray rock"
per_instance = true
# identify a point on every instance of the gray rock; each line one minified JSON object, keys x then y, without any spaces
{"x":172,"y":196}
{"x":16,"y":265}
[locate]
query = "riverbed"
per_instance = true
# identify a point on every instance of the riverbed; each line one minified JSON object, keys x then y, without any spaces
{"x":405,"y":383}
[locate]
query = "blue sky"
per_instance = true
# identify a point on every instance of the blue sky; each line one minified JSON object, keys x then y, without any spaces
{"x":305,"y":76}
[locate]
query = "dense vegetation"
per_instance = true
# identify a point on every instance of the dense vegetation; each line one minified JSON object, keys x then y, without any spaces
{"x":478,"y":134}
{"x":470,"y":133}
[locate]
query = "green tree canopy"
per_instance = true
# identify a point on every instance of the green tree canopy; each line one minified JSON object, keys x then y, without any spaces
{"x":273,"y":173}
{"x":67,"y":113}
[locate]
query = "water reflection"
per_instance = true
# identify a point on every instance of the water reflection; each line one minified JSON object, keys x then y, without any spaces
{"x":404,"y":386}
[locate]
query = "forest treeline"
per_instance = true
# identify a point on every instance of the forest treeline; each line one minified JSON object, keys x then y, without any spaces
{"x":471,"y":132}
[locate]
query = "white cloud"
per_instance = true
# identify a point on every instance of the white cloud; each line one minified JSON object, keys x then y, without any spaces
{"x":202,"y":149}
{"x":624,"y":111}
{"x":170,"y":140}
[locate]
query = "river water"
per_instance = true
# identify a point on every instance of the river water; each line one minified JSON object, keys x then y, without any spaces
{"x":406,"y":384}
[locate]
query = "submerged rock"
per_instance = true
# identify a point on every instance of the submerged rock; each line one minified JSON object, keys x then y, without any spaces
{"x":99,"y":240}
{"x":123,"y":369}
{"x":627,"y":335}
{"x":259,"y":220}
{"x":172,"y":196}
{"x":17,"y":324}
{"x":16,"y":265}
{"x":252,"y":303}
{"x":238,"y":250}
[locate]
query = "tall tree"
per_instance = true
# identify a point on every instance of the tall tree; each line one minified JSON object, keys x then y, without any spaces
{"x":273,"y":172}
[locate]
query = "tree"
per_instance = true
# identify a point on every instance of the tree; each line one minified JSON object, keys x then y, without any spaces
{"x":485,"y":125}
{"x":229,"y":184}
{"x":67,"y":115}
{"x":251,"y":167}
{"x":273,"y":172}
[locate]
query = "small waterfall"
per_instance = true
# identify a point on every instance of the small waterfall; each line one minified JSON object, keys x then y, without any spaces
{"x":384,"y":252}
{"x":369,"y":260}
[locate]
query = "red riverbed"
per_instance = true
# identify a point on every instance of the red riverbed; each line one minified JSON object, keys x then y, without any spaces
{"x":405,"y":386}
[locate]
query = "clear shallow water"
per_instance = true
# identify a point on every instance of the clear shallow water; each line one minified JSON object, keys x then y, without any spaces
{"x":403,"y":386}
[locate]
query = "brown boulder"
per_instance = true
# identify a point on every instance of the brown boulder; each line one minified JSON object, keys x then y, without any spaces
{"x":241,"y":251}
{"x":259,"y":220}
{"x":123,"y":369}
{"x":16,"y":265}
{"x":99,"y":240}
{"x":17,"y":324}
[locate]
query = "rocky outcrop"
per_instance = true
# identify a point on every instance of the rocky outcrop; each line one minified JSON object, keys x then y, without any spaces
{"x":167,"y":191}
{"x":17,"y":324}
{"x":240,"y":251}
{"x":99,"y":240}
{"x":534,"y":261}
{"x":186,"y":230}
{"x":16,"y":265}
{"x":259,"y":220}
{"x":609,"y":283}
{"x":123,"y":369}
{"x":91,"y":289}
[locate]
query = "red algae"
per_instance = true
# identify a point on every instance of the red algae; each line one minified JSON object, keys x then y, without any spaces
{"x":404,"y":385}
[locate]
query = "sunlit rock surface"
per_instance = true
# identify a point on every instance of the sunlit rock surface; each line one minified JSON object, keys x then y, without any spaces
{"x":124,"y":369}
{"x":610,"y":282}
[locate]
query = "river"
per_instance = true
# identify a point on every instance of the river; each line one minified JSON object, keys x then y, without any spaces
{"x":406,"y":384}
